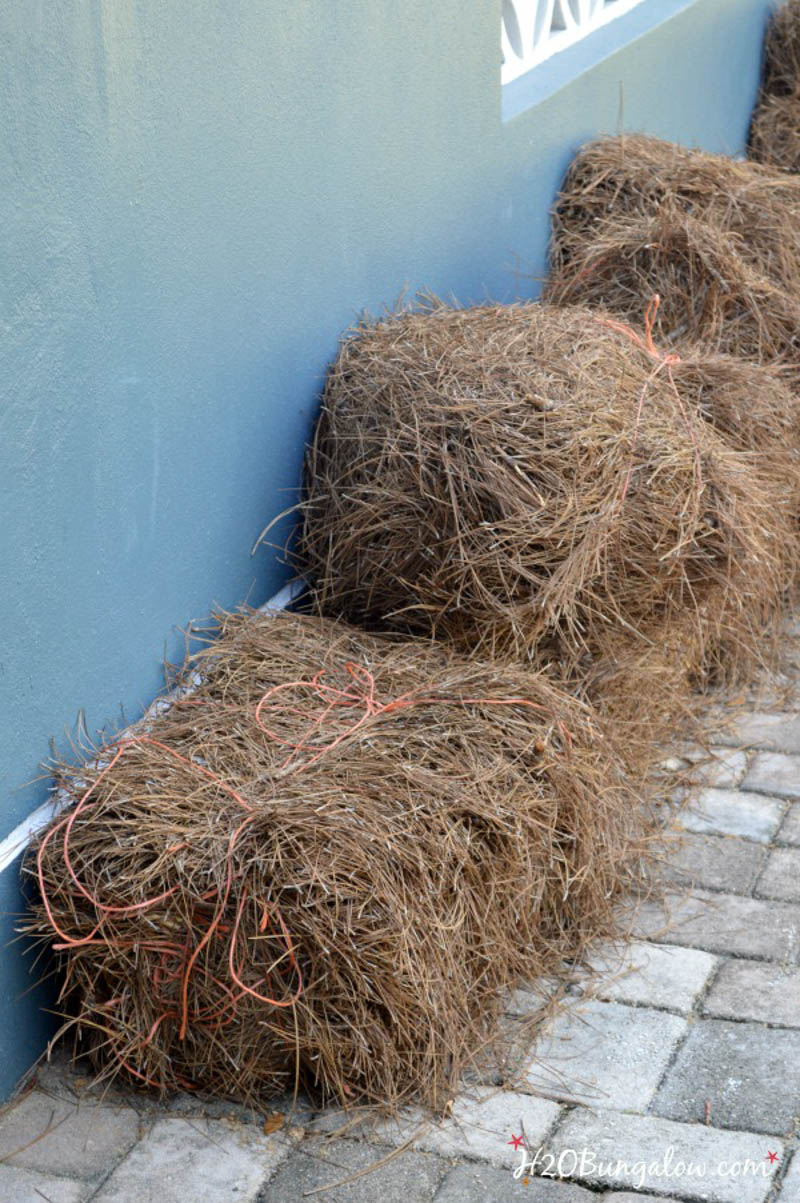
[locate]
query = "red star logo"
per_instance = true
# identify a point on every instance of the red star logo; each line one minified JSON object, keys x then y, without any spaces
{"x":516,"y":1141}
{"x":771,"y":1158}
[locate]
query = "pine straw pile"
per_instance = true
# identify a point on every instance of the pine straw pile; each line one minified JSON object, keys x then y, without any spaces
{"x":775,"y":132}
{"x":540,"y":483}
{"x":718,"y":240}
{"x":326,"y":864}
{"x":782,"y":51}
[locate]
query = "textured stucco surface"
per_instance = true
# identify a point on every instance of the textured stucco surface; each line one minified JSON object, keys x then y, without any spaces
{"x":198,"y":198}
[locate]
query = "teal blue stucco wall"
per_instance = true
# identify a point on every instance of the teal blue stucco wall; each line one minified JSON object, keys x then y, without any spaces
{"x":197,"y":199}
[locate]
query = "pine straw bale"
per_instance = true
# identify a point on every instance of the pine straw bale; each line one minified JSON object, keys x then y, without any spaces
{"x":775,"y":129}
{"x":648,"y":684}
{"x":718,"y":240}
{"x":711,"y":298}
{"x":750,"y":406}
{"x":438,"y":854}
{"x":635,"y":175}
{"x":782,"y":51}
{"x":483,"y":475}
{"x":775,"y":132}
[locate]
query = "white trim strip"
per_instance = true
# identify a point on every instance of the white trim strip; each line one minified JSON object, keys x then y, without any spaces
{"x":285,"y":596}
{"x":16,"y":843}
{"x":21,"y":836}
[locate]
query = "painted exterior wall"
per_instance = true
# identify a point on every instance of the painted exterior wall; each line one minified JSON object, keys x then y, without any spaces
{"x":197,"y":199}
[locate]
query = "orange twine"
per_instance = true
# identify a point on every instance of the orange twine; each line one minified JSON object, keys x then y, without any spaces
{"x":358,"y":695}
{"x":664,"y":361}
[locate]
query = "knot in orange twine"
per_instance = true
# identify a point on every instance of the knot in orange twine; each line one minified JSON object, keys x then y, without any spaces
{"x":647,"y":344}
{"x":664,"y":362}
{"x":358,"y":695}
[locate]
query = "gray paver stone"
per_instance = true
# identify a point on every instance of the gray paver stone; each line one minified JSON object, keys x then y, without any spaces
{"x":606,"y":1053}
{"x":733,"y":812}
{"x":528,"y":999}
{"x":776,"y":693}
{"x":747,"y":927}
{"x":724,"y":767}
{"x":479,"y":1126}
{"x":775,"y":732}
{"x":655,"y":975}
{"x":774,"y":773}
{"x":781,"y":875}
{"x":754,"y":990}
{"x":627,"y":1196}
{"x":82,"y":1140}
{"x":474,"y":1183}
{"x":716,"y":862}
{"x":790,"y":1187}
{"x":789,"y":832}
{"x":29,"y":1186}
{"x":647,"y":1146}
{"x":180,"y":1160}
{"x":408,"y":1178}
{"x":750,"y":1073}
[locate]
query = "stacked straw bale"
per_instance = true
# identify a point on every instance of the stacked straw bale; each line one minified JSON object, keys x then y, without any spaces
{"x":718,"y":240}
{"x":543,"y":484}
{"x":782,"y":51}
{"x":775,"y":131}
{"x":325,"y":864}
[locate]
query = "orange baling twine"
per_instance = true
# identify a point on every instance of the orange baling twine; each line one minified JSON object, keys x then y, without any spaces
{"x":664,"y":362}
{"x":167,"y":949}
{"x":358,"y":695}
{"x":361,"y":695}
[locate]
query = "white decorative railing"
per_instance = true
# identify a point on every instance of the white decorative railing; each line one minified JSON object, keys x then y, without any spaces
{"x":533,"y":30}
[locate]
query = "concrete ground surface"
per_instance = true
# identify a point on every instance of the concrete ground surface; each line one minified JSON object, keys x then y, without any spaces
{"x":675,"y":1076}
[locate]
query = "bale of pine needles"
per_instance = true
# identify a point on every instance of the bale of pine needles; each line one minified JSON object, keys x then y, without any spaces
{"x":324,"y":864}
{"x":782,"y":51}
{"x":543,"y":483}
{"x":775,"y":132}
{"x":775,"y":129}
{"x":718,"y":240}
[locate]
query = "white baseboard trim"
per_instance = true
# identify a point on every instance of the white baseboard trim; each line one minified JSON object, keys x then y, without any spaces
{"x":16,"y":843}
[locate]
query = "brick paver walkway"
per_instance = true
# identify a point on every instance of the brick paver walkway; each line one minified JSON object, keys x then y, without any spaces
{"x":677,"y":1076}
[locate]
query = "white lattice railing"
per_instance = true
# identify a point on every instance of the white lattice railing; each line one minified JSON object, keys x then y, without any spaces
{"x":533,"y":30}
